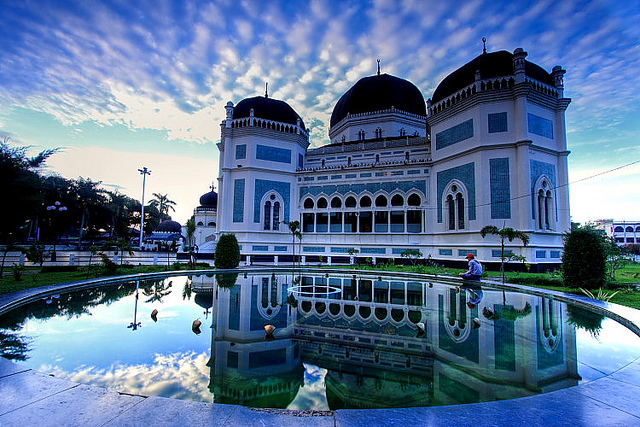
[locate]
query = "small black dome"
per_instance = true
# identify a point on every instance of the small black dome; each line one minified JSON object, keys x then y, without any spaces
{"x":490,"y":65}
{"x":209,"y":200}
{"x":379,"y":92}
{"x":267,"y":108}
{"x":169,"y":226}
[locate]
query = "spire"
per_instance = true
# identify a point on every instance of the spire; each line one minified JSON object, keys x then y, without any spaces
{"x":484,"y":45}
{"x":266,"y":90}
{"x":378,"y":66}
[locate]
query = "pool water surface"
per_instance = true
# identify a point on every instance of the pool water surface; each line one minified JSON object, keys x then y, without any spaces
{"x":339,"y":340}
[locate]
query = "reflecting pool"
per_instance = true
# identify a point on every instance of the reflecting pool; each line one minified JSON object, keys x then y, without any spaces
{"x":337,"y":340}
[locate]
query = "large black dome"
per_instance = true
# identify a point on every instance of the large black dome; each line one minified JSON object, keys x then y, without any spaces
{"x":169,"y":226}
{"x":209,"y":200}
{"x":494,"y":64}
{"x":379,"y":92}
{"x":267,"y":108}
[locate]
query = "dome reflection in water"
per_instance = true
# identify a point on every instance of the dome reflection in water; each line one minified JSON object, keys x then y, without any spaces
{"x":332,"y":340}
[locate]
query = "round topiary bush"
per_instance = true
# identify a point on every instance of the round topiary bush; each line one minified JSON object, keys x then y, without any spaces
{"x":227,"y":252}
{"x":584,"y":259}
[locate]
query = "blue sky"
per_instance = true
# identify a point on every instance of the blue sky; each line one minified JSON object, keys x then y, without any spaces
{"x":121,"y":84}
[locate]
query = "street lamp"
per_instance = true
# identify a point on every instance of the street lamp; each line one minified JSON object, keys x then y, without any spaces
{"x":56,"y":207}
{"x":144,"y":172}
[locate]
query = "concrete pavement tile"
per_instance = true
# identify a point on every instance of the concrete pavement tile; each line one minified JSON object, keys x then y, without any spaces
{"x":78,"y":406}
{"x":630,"y":374}
{"x":7,"y":367}
{"x":162,"y":412}
{"x":620,"y":395}
{"x":26,"y":387}
{"x":251,"y":417}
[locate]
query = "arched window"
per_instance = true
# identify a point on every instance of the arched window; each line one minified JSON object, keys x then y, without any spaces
{"x":377,"y":158}
{"x":406,"y":155}
{"x":272,"y":212}
{"x":308,"y":203}
{"x":365,"y":202}
{"x":455,"y":207}
{"x":619,"y":229}
{"x":414,"y":200}
{"x":350,"y":202}
{"x":336,"y":202}
{"x":344,"y":138}
{"x":267,"y":215}
{"x":349,"y":161}
{"x":629,"y":230}
{"x":322,"y":203}
{"x":324,"y":162}
{"x":381,"y":201}
{"x":545,"y":205}
{"x":379,"y":133}
{"x":403,"y":132}
{"x":397,"y":200}
{"x":361,"y":135}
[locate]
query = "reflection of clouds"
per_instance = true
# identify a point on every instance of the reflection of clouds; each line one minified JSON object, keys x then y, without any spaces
{"x":312,"y":395}
{"x":179,"y":376}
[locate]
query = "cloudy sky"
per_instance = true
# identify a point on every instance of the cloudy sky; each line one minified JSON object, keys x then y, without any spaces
{"x":123,"y":84}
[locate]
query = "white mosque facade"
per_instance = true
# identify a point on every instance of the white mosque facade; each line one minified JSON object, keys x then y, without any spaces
{"x":487,"y":148}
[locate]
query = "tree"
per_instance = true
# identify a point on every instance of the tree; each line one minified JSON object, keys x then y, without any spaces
{"x":227,"y":252}
{"x":504,"y":233}
{"x":412,"y":254}
{"x":163,"y":204}
{"x":191,"y":244}
{"x":584,"y":259}
{"x":88,"y":197}
{"x":21,"y":185}
{"x":294,"y":228}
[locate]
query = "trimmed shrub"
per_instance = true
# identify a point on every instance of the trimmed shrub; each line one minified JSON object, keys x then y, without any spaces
{"x":227,"y":252}
{"x":584,"y":259}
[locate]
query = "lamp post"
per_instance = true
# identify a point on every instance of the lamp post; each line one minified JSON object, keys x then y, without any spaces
{"x":144,"y":172}
{"x":56,"y":207}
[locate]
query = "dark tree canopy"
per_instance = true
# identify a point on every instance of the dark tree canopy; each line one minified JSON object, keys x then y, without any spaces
{"x":584,"y":259}
{"x":227,"y":252}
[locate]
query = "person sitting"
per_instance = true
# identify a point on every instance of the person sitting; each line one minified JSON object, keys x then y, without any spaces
{"x":475,"y":269}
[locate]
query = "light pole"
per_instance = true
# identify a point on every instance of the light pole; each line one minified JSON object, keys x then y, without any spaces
{"x":144,"y":172}
{"x":56,"y":207}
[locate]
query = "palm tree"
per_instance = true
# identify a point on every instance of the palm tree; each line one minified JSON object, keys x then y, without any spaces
{"x":163,"y":204}
{"x":504,"y":233}
{"x":294,"y":228}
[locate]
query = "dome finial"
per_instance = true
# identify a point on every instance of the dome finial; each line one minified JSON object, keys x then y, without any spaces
{"x":266,"y":90}
{"x":484,"y":45}
{"x":378,"y":66}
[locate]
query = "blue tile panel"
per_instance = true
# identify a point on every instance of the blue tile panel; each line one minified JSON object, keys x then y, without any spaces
{"x":375,"y":251}
{"x":241,"y":151}
{"x":497,"y":253}
{"x":540,"y":126}
{"x":554,"y":254}
{"x":398,"y":251}
{"x":537,"y":170}
{"x":300,"y":160}
{"x":312,"y":249}
{"x":413,"y":172}
{"x":340,"y":250}
{"x":464,"y":252}
{"x":273,"y":154}
{"x":336,"y":176}
{"x":497,"y":122}
{"x":309,"y":178}
{"x":358,"y":188}
{"x":323,"y":178}
{"x":280,"y":248}
{"x":260,"y":248}
{"x":238,"y":200}
{"x":365,"y":175}
{"x":465,"y":174}
{"x":454,"y":134}
{"x":541,"y":254}
{"x":350,"y":175}
{"x":500,"y":188}
{"x":445,"y":252}
{"x":265,"y":185}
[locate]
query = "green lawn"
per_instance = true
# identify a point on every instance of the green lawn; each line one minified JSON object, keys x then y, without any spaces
{"x":627,"y":278}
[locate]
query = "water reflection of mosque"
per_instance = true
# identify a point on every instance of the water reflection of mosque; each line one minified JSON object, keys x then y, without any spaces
{"x":384,"y":343}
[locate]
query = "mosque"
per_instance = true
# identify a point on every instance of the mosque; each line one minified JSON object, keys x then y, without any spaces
{"x":487,"y":148}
